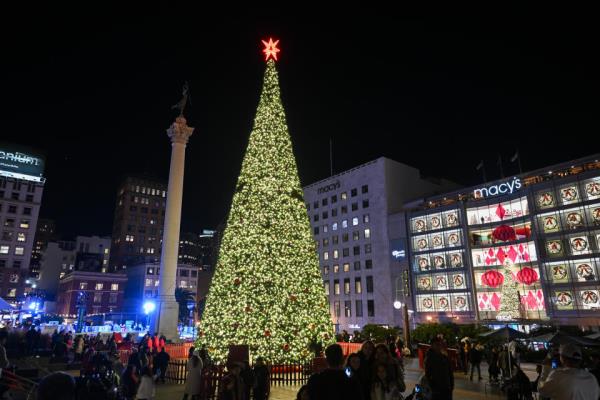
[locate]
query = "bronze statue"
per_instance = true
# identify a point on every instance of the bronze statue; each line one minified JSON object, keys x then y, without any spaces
{"x":184,"y":99}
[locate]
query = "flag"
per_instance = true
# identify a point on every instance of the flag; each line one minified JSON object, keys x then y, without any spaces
{"x":514,"y":158}
{"x":479,"y":166}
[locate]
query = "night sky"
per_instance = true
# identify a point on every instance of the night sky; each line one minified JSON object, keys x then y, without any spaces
{"x":439,"y":92}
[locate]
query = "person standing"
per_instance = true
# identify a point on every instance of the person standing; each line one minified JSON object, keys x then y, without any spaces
{"x":231,"y":386}
{"x":161,"y":363}
{"x":129,"y":382}
{"x":261,"y":380}
{"x":333,"y":383}
{"x":193,"y":381}
{"x":569,"y":381}
{"x":493,"y":369}
{"x":439,"y":372}
{"x":475,"y":357}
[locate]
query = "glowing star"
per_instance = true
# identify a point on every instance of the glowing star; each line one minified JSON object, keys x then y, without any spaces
{"x":271,"y":49}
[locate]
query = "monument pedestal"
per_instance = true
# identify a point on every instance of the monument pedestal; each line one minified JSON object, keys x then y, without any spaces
{"x":167,"y":318}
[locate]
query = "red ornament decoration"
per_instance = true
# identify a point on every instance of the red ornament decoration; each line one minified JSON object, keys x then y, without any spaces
{"x":293,"y":298}
{"x":492,"y":278}
{"x":268,"y":333}
{"x":237,"y":281}
{"x":286,"y":347}
{"x":527,"y":276}
{"x":248,"y":309}
{"x":504,"y":233}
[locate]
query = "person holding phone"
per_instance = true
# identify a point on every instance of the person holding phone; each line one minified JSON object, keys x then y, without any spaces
{"x":568,"y":380}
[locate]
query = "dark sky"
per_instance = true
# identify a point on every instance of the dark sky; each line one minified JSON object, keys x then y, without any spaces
{"x":439,"y":92}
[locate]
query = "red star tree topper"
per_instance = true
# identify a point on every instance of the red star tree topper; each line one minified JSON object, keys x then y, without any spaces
{"x":270,"y":49}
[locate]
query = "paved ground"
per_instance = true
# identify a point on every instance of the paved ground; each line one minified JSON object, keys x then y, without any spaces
{"x":465,"y":389}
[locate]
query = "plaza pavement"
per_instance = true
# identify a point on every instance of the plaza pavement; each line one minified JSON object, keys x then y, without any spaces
{"x":464,"y":388}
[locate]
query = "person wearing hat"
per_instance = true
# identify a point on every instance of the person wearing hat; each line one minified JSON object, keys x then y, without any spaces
{"x":569,"y":381}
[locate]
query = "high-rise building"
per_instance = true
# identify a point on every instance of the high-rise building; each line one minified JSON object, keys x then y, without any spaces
{"x":138,"y":222}
{"x":349,"y":217}
{"x":21,"y":188}
{"x":197,"y":249}
{"x":46,"y":232}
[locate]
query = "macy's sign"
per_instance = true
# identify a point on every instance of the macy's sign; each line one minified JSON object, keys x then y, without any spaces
{"x":507,"y":187}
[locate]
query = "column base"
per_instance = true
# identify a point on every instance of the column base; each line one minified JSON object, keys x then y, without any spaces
{"x":166,"y":318}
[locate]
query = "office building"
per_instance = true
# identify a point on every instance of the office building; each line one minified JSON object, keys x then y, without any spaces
{"x":349,"y":214}
{"x":21,"y":188}
{"x":138,"y":222}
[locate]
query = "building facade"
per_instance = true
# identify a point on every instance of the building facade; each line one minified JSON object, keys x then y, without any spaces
{"x":45,"y":233}
{"x":143,"y":283}
{"x":197,"y":249}
{"x":85,"y":253}
{"x":21,"y":189}
{"x":540,"y":230}
{"x":138,"y":222}
{"x":349,"y":213}
{"x":103,"y":292}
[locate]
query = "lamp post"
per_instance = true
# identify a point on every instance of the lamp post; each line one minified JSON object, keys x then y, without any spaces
{"x":149,"y":308}
{"x":399,"y":305}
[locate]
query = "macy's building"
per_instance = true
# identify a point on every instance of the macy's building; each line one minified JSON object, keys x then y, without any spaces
{"x":539,"y":230}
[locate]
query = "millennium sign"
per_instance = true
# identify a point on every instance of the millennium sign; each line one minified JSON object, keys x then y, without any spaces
{"x":508,"y":187}
{"x":21,"y":163}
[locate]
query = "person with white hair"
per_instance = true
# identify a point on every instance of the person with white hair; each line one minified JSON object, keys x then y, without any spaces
{"x":193,"y":381}
{"x":569,"y":382}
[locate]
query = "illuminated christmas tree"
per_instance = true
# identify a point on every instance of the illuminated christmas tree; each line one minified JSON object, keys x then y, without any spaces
{"x":511,"y":300}
{"x":267,"y":290}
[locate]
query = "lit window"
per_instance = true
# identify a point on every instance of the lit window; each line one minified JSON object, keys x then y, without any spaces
{"x":343,"y":196}
{"x":366,"y":218}
{"x":14,"y":278}
{"x":114,"y":286}
{"x":345,"y":223}
{"x":106,"y":251}
{"x":4,"y":249}
{"x":357,"y":286}
{"x":354,"y":221}
{"x":367,"y":248}
{"x":183,"y":284}
{"x":21,"y":237}
{"x":367,"y":233}
{"x":24,"y":224}
{"x":326,"y":255}
{"x":346,"y":286}
{"x":346,"y":267}
{"x":19,"y":250}
{"x":355,"y":235}
{"x":11,"y":292}
{"x":336,"y":287}
{"x":97,"y":297}
{"x":156,"y":283}
{"x":326,"y":286}
{"x":325,"y":228}
{"x":326,"y":270}
{"x":149,"y":281}
{"x":83,"y":285}
{"x":99,"y":286}
{"x":336,"y":254}
{"x":336,"y":268}
{"x":334,"y":226}
{"x":129,"y":238}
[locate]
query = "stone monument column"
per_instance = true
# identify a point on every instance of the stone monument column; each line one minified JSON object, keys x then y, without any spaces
{"x":167,"y":309}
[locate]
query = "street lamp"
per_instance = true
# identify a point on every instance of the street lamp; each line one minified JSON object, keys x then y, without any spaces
{"x":398,"y":305}
{"x":149,"y":308}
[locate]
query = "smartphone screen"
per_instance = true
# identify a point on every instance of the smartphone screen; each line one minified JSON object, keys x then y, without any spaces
{"x":554,"y":364}
{"x":417,"y":388}
{"x":348,"y":371}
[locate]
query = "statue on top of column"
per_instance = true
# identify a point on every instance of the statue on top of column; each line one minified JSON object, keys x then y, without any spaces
{"x":184,"y":99}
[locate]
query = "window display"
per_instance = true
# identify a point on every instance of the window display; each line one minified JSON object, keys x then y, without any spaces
{"x":592,"y":189}
{"x":569,"y":194}
{"x":589,"y":299}
{"x":545,"y":199}
{"x":502,"y":233}
{"x":498,"y":212}
{"x":443,"y":302}
{"x":447,"y":219}
{"x":549,"y":222}
{"x":563,"y":300}
{"x":438,"y":261}
{"x":516,"y":253}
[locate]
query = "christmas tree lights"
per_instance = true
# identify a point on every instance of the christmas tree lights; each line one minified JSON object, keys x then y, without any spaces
{"x":511,"y":300}
{"x":267,"y":290}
